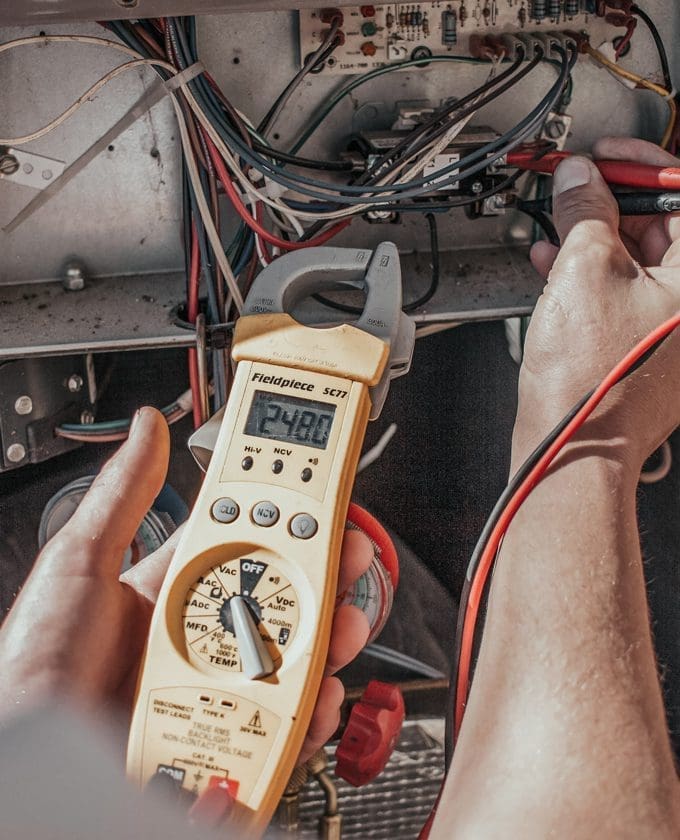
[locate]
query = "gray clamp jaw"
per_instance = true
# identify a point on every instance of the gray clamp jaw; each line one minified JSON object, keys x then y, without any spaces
{"x":295,"y":276}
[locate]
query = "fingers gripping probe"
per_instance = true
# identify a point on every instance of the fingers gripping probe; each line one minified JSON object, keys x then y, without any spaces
{"x":239,"y":637}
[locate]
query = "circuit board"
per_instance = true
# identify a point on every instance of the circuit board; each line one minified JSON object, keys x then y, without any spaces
{"x":378,"y":35}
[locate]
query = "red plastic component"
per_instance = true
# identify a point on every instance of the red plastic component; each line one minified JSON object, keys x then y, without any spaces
{"x":624,"y":173}
{"x":215,"y":804}
{"x":329,"y":15}
{"x":369,"y":48}
{"x":371,"y":734}
{"x":367,"y":11}
{"x":370,"y":525}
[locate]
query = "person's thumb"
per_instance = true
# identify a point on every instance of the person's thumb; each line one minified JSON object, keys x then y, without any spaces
{"x":582,"y":202}
{"x":586,"y":217}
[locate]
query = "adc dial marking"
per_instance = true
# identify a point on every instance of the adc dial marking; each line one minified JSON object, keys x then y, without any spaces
{"x":211,"y":634}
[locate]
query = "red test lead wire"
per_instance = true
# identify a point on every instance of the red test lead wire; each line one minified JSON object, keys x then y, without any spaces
{"x":491,"y":548}
{"x":622,"y":173}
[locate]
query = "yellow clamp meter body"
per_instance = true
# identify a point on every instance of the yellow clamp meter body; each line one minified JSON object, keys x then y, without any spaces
{"x":240,"y":632}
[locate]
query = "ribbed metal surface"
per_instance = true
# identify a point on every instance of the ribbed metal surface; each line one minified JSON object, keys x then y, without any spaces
{"x":396,"y":805}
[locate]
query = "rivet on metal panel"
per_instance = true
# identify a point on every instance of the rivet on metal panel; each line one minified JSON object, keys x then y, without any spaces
{"x":15,"y":453}
{"x":75,"y":383}
{"x":23,"y":405}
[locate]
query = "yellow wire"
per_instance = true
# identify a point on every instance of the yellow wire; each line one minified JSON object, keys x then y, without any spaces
{"x":640,"y":81}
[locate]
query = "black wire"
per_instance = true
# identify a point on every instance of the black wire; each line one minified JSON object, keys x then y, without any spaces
{"x":434,"y":280}
{"x":661,"y":49}
{"x":409,"y":307}
{"x":513,"y":485}
{"x":541,"y":219}
{"x":305,"y":163}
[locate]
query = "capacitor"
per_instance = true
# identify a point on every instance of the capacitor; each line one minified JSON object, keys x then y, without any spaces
{"x":389,"y":20}
{"x":571,"y":8}
{"x":554,"y":9}
{"x":539,"y":10}
{"x":426,"y":26}
{"x":449,"y":28}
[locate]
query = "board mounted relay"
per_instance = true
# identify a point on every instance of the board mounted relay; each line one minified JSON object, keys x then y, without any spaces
{"x":372,"y":36}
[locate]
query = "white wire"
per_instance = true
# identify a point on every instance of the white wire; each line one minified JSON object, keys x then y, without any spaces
{"x":376,"y":451}
{"x":139,"y":60}
{"x":652,"y":476}
{"x":433,"y":329}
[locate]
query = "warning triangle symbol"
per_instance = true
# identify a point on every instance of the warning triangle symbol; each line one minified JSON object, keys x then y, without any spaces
{"x":255,"y":721}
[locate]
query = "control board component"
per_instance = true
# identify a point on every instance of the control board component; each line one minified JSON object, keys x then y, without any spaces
{"x":386,"y":34}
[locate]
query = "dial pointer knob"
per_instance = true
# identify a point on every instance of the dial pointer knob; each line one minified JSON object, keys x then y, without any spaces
{"x":255,"y":658}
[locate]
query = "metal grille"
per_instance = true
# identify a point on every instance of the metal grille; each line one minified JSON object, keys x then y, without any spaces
{"x":396,"y":805}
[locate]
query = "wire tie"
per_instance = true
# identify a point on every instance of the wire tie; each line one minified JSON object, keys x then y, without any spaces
{"x":186,"y":76}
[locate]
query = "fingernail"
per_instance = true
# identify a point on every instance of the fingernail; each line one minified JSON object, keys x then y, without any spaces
{"x":134,"y":422}
{"x":572,"y":172}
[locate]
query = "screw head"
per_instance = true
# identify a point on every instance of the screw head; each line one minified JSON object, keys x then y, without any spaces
{"x":9,"y":165}
{"x":75,"y":383}
{"x":15,"y":453}
{"x":477,"y":187}
{"x":23,"y":405}
{"x":555,"y":129}
{"x":74,"y":277}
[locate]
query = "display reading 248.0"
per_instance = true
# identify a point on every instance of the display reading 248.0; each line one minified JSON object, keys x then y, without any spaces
{"x":290,"y":420}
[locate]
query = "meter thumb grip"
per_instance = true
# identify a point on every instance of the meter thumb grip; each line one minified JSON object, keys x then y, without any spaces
{"x":239,"y":636}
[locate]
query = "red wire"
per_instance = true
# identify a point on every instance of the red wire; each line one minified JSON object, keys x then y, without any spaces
{"x":624,"y":173}
{"x":491,"y":549}
{"x":252,"y":223}
{"x":192,"y":314}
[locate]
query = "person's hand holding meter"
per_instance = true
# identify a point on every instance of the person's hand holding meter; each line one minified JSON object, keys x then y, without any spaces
{"x":77,"y":630}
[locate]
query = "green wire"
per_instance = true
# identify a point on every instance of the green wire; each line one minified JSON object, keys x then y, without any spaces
{"x":367,"y":77}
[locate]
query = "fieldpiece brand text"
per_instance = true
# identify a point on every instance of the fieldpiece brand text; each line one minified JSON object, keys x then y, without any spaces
{"x":282,"y":382}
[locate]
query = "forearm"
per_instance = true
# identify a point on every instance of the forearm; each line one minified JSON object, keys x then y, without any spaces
{"x":564,"y":732}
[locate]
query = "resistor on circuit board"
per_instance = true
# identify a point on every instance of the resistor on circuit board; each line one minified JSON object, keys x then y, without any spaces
{"x":571,"y":8}
{"x":449,"y":28}
{"x":412,"y":17}
{"x":389,"y":20}
{"x":426,"y":25}
{"x":554,"y":9}
{"x":463,"y":14}
{"x":522,"y":15}
{"x":538,"y":10}
{"x":418,"y":17}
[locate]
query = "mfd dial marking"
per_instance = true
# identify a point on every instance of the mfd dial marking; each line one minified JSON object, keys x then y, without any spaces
{"x":207,"y":621}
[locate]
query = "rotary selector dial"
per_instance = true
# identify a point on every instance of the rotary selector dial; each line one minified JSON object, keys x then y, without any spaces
{"x":233,"y":601}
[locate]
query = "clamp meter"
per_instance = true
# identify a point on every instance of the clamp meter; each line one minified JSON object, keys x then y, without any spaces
{"x":240,"y":633}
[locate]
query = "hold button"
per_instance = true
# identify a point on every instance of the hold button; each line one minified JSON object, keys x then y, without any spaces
{"x":225,"y":511}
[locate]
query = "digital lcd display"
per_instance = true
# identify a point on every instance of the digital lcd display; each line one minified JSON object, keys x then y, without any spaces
{"x":290,"y":419}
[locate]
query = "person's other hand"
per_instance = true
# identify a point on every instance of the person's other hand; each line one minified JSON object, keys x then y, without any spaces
{"x":608,"y":286}
{"x":77,"y":629}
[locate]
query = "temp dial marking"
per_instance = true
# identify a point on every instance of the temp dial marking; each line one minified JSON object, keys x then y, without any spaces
{"x":208,"y":620}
